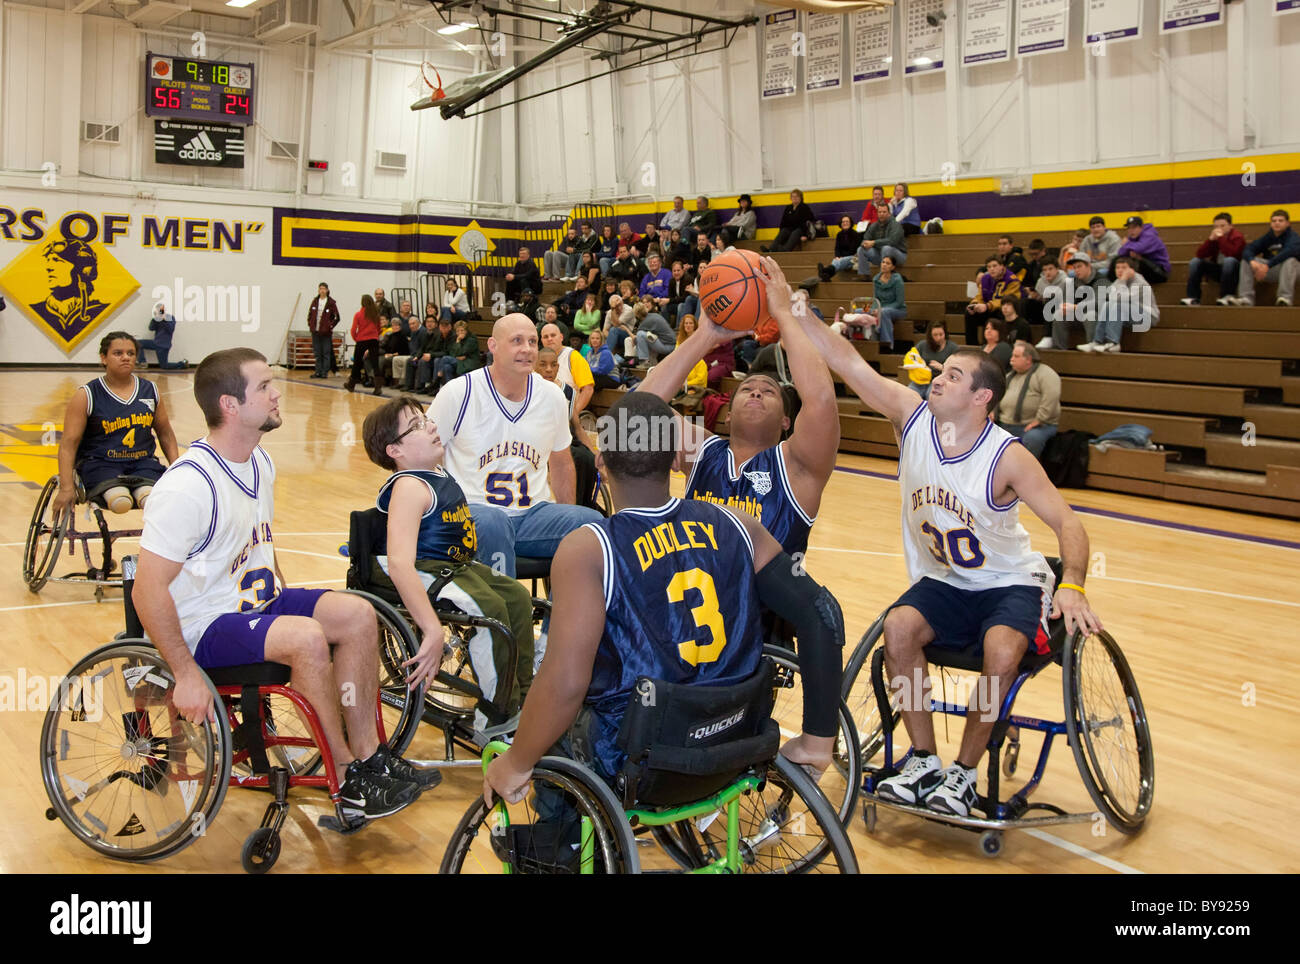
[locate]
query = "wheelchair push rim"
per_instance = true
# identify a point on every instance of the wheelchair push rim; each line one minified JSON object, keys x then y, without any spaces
{"x":39,"y":558}
{"x":128,"y":777}
{"x":1108,"y":730}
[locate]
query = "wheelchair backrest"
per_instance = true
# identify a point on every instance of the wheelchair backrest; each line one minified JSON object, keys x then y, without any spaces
{"x":367,"y":538}
{"x":685,"y":742}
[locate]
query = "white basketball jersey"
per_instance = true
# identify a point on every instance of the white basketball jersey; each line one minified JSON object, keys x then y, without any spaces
{"x":498,"y":449}
{"x":216,"y":517}
{"x":952,"y":529}
{"x":565,"y":373}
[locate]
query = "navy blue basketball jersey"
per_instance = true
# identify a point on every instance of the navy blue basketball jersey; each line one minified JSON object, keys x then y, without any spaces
{"x":681,"y":605}
{"x":446,"y":529}
{"x":117,"y":430}
{"x":760,"y":486}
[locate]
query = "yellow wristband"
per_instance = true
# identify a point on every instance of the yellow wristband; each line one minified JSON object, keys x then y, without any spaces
{"x":1070,"y":585}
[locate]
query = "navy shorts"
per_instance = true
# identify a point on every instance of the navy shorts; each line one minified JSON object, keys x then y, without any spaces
{"x":961,"y":617}
{"x":97,"y":473}
{"x":237,"y":639}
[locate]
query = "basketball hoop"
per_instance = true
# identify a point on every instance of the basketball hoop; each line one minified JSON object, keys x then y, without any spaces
{"x":435,"y":93}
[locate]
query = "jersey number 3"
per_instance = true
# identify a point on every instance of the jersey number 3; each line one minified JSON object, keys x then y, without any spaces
{"x":261,"y":583}
{"x":706,"y":615}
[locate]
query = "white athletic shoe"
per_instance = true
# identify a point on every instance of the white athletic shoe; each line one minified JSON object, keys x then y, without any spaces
{"x":1046,"y":343}
{"x":919,"y":778}
{"x":1089,"y":346}
{"x":956,"y":793}
{"x":1283,"y":302}
{"x":1111,"y":347}
{"x":1225,"y":300}
{"x":1188,"y":301}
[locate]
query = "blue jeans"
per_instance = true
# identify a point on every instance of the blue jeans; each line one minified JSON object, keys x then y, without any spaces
{"x":322,"y":345}
{"x":843,"y":264}
{"x":1113,"y":318}
{"x":604,"y":265}
{"x":1225,"y":271}
{"x":873,"y":255}
{"x":1035,"y":440}
{"x":644,"y":347}
{"x":445,"y":367}
{"x":452,"y":314}
{"x":691,"y":306}
{"x":888,"y":316}
{"x":153,"y":346}
{"x":534,"y":534}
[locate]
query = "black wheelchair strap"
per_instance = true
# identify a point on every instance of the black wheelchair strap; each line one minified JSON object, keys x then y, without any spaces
{"x":250,"y":727}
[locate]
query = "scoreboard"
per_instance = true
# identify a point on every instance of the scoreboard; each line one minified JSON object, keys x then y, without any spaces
{"x":198,"y":89}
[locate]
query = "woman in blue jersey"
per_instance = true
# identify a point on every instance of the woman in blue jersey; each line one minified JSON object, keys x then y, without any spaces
{"x":109,"y":431}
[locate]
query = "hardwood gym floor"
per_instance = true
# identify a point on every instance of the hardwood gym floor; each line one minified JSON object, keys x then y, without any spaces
{"x":1207,"y":619}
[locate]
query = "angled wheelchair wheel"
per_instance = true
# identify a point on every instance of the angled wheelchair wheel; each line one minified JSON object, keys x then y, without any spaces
{"x":787,"y":826}
{"x":123,"y":771}
{"x":569,"y":822}
{"x":604,"y":499}
{"x":401,"y":707}
{"x":1108,"y":730}
{"x":860,"y":695}
{"x":44,"y":538}
{"x":454,"y":691}
{"x":842,"y":779}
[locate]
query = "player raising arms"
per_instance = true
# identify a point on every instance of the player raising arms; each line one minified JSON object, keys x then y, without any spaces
{"x":778,"y":482}
{"x":975,"y":577}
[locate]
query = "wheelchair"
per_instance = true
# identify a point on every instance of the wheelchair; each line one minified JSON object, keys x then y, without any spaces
{"x":453,"y":696}
{"x":703,"y":777}
{"x":1105,"y":724}
{"x":135,"y":782}
{"x":47,"y":533}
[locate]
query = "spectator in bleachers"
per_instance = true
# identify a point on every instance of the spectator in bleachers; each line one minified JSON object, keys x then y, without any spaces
{"x":1017,"y":327}
{"x":678,"y":250}
{"x":1034,"y":256}
{"x":678,"y":217}
{"x":620,"y":323}
{"x":796,"y":225}
{"x":703,"y":221}
{"x":885,"y":237}
{"x":590,"y":270}
{"x":571,"y":301}
{"x":1031,"y":406}
{"x":677,"y":293}
{"x":871,"y":211}
{"x":366,"y":325}
{"x":587,"y":318}
{"x":702,"y":253}
{"x":608,"y":249}
{"x":1219,"y":256}
{"x":383,"y":306}
{"x":745,"y":220}
{"x":626,"y":237}
{"x":524,"y":275}
{"x":455,"y":306}
{"x":1272,"y":257}
{"x":1050,"y":287}
{"x":934,"y":352}
{"x":725,"y":241}
{"x":995,"y":284}
{"x":435,"y":349}
{"x":419,"y":338}
{"x":1144,"y":244}
{"x":395,"y":342}
{"x":552,"y":316}
{"x":464,"y":348}
{"x":601,"y":361}
{"x":1129,"y":301}
{"x":648,"y":245}
{"x":588,"y":241}
{"x":1081,"y":294}
{"x":655,"y":283}
{"x":902,"y":206}
{"x":609,"y":289}
{"x":625,"y":266}
{"x":1074,"y":243}
{"x":995,"y":342}
{"x":555,"y":263}
{"x":846,"y":250}
{"x":800,"y":305}
{"x":1012,"y":257}
{"x":1099,"y":244}
{"x":528,"y":304}
{"x":887,"y":291}
{"x":655,"y":338}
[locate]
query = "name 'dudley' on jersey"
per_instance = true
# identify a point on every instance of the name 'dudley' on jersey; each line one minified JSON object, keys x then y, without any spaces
{"x":508,"y":449}
{"x":663,"y":539}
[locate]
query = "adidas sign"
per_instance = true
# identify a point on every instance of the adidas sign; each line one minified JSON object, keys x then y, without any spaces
{"x":200,"y":148}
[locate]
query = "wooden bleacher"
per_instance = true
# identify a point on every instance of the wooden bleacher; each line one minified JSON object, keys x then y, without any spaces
{"x":1219,"y":387}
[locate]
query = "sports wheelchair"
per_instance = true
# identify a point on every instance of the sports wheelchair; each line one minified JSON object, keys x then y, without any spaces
{"x":453,"y":696}
{"x":133,"y":781}
{"x":47,"y":533}
{"x":1105,"y":724}
{"x":703,"y":775}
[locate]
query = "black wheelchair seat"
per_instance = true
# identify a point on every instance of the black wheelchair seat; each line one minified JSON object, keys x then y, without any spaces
{"x":250,"y":674}
{"x":527,"y":568}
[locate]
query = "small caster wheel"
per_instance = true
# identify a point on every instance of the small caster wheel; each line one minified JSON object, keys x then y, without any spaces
{"x":869,"y":817}
{"x":261,"y":850}
{"x":1010,"y":759}
{"x":50,"y":814}
{"x":991,"y":843}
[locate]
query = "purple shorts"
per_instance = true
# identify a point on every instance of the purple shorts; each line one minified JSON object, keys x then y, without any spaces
{"x":237,"y":639}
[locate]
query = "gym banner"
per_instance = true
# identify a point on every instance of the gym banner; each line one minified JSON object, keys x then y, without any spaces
{"x":923,"y":36}
{"x":824,"y":66}
{"x":197,"y":144}
{"x":1106,"y":21}
{"x":778,"y":54}
{"x":1042,"y":26}
{"x":1189,"y":14}
{"x":873,"y":44}
{"x":986,"y":32}
{"x":1285,"y":6}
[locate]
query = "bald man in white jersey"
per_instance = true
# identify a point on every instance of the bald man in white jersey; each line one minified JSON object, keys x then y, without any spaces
{"x":975,"y":577}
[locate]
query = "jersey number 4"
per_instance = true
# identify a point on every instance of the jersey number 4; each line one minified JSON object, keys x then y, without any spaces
{"x":706,"y":615}
{"x":970,"y":556}
{"x":498,"y":489}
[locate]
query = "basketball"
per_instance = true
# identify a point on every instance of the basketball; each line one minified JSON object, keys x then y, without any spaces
{"x":732,"y":290}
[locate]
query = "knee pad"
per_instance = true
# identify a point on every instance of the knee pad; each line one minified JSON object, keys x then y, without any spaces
{"x":141,"y":494}
{"x":118,"y":499}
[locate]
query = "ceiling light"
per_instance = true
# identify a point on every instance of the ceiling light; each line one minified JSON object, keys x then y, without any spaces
{"x":240,"y":3}
{"x":456,"y":28}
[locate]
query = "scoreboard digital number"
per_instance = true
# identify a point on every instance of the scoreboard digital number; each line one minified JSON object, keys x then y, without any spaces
{"x":198,"y":89}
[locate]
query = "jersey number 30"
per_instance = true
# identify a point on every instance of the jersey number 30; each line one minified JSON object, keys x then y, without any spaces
{"x":706,"y":615}
{"x":970,"y":556}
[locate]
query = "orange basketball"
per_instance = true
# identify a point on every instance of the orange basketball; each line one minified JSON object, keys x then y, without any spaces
{"x":733,"y":290}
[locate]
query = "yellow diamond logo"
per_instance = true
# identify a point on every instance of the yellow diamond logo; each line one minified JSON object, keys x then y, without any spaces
{"x":473,"y":245}
{"x":68,"y":288}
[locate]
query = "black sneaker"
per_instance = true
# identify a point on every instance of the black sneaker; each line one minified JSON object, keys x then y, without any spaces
{"x":386,"y":761}
{"x":367,"y":794}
